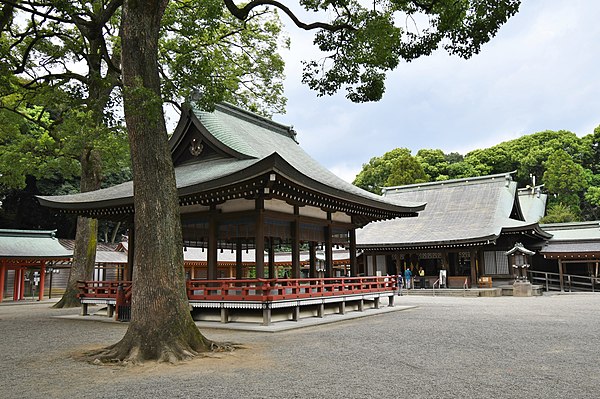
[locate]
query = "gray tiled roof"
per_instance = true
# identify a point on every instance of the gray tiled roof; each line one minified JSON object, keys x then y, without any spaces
{"x":31,"y":244}
{"x":578,"y":237}
{"x":458,"y":212}
{"x":575,"y":247}
{"x":533,"y":203}
{"x":254,"y":144}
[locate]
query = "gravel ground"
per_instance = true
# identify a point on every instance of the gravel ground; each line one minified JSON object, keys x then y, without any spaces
{"x":540,"y":347}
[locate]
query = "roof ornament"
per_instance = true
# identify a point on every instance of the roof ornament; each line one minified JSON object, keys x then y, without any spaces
{"x":196,"y":147}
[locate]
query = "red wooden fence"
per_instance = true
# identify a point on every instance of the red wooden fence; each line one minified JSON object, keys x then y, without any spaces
{"x":262,"y":290}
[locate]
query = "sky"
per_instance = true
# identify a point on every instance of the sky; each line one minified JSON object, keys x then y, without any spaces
{"x":540,"y":72}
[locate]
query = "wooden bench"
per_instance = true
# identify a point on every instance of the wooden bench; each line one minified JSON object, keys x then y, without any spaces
{"x":484,"y":282}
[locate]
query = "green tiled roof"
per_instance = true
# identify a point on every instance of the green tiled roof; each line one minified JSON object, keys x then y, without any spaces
{"x":31,"y":244}
{"x":245,"y":145}
{"x":258,"y":137}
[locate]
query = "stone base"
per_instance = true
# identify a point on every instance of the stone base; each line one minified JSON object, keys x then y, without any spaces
{"x":522,"y":288}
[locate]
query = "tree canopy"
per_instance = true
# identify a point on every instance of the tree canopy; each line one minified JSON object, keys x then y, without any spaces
{"x":395,"y":168}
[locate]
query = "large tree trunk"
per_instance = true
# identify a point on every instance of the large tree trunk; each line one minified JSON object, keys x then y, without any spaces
{"x":86,"y":237}
{"x":161,"y":326}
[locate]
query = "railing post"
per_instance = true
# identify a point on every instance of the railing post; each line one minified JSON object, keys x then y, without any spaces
{"x":546,"y":277}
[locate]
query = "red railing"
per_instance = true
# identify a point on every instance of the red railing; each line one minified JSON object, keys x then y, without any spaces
{"x":262,"y":290}
{"x":102,"y":289}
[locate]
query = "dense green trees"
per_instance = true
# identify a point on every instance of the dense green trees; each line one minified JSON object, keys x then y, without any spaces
{"x":395,"y":168}
{"x":568,"y":166}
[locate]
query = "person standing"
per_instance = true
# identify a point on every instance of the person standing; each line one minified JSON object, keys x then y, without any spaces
{"x":443,"y":276}
{"x":407,"y":277}
{"x":421,"y":277}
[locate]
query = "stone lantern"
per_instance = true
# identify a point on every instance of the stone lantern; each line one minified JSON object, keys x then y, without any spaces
{"x":518,"y":258}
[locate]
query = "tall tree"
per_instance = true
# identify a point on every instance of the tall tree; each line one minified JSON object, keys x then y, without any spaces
{"x":566,"y":179}
{"x":67,"y":55}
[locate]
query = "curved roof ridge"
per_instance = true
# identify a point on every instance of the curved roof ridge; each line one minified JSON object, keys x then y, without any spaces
{"x":256,"y":119}
{"x":27,"y":233}
{"x":436,"y":184}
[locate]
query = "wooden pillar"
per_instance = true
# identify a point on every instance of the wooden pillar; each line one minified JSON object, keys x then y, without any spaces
{"x":259,"y":242}
{"x":16,"y":285}
{"x":295,"y":248}
{"x":42,"y":280}
{"x":272,"y":271}
{"x":328,"y":253}
{"x":312,"y":262}
{"x":560,"y":275}
{"x":352,"y":250}
{"x":212,"y":255}
{"x":473,"y":261}
{"x":398,"y":257}
{"x":2,"y":278}
{"x":238,"y":259}
{"x":374,"y":271}
{"x":22,"y":290}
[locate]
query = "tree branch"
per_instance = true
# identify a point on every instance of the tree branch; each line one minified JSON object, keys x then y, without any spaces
{"x":6,"y":15}
{"x":242,"y":14}
{"x":34,"y":11}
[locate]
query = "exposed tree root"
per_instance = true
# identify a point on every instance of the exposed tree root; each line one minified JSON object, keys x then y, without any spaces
{"x":67,"y":301}
{"x":173,"y":353}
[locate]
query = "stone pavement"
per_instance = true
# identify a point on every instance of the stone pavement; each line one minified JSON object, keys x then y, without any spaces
{"x":440,"y":347}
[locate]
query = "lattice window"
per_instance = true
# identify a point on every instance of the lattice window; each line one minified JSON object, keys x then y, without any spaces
{"x":495,"y":262}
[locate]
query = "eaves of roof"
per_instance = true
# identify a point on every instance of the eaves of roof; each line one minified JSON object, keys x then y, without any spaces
{"x":220,"y":173}
{"x":31,"y":244}
{"x":427,"y":245}
{"x":524,"y":227}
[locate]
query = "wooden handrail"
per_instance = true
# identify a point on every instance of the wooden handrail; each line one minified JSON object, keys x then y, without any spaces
{"x":259,"y":289}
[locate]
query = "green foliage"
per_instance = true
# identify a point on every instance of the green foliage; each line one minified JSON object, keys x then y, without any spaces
{"x":209,"y":56}
{"x":559,"y":213}
{"x":434,"y":164}
{"x":60,"y":94}
{"x":563,"y":176}
{"x":363,"y":41}
{"x":394,"y":168}
{"x":33,"y":143}
{"x":565,"y":179}
{"x":525,"y":154}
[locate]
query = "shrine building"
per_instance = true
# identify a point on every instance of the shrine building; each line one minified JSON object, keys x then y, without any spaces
{"x":466,"y":229}
{"x":245,"y":183}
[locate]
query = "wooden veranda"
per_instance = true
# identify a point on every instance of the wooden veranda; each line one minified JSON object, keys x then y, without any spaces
{"x":234,"y":297}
